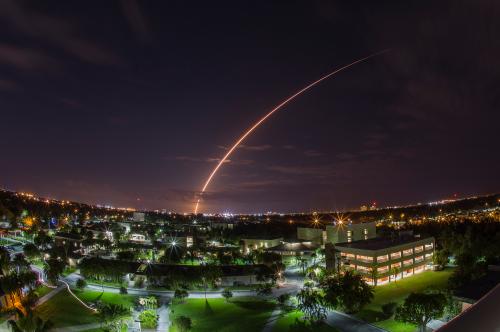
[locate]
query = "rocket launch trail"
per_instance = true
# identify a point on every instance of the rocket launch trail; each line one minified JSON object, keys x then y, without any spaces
{"x":265,"y":117}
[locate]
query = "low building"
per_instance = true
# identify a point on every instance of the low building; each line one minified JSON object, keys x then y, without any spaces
{"x":72,"y":239}
{"x":294,"y":248}
{"x":382,"y":260}
{"x":349,"y":232}
{"x":250,"y":244}
{"x":314,"y":235}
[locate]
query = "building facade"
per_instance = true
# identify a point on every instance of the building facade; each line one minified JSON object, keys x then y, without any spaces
{"x":314,"y":235}
{"x":261,"y":243}
{"x":349,"y":232}
{"x":382,"y":260}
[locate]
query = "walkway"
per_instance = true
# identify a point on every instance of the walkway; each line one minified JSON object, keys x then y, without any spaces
{"x":163,"y":318}
{"x":272,"y":320}
{"x":49,"y":295}
{"x":348,"y":323}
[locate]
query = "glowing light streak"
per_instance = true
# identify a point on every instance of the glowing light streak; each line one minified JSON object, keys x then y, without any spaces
{"x":264,"y":118}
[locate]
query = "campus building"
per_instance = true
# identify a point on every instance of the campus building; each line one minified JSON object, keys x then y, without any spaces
{"x":382,"y":260}
{"x":338,"y":232}
{"x":250,"y":244}
{"x":350,"y":232}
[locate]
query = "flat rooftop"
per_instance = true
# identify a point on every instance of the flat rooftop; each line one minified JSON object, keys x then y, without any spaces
{"x":380,"y":243}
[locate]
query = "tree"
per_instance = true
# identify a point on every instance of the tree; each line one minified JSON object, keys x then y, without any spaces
{"x":43,"y":240}
{"x":283,"y":299}
{"x":227,"y":294}
{"x":183,"y":323}
{"x":310,"y":302}
{"x":81,"y":284}
{"x":180,"y":294}
{"x":53,"y":269}
{"x":348,"y":291}
{"x":394,"y":271}
{"x":421,"y":308}
{"x":209,"y":275}
{"x":389,"y":309}
{"x":31,"y":251}
{"x":440,"y":258}
{"x":264,"y":289}
{"x":28,"y":322}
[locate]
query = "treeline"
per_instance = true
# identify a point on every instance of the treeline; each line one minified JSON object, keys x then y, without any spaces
{"x":473,"y":243}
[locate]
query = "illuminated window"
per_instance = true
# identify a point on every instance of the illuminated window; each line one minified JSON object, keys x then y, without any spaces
{"x":383,"y":258}
{"x":383,"y":269}
{"x":407,"y":252}
{"x":396,"y":255}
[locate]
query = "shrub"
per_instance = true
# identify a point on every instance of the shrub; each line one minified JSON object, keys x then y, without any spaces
{"x":81,"y":284}
{"x":389,"y":309}
{"x":183,"y":323}
{"x":149,"y":319}
{"x":123,"y":290}
{"x":227,"y":294}
{"x":180,"y":294}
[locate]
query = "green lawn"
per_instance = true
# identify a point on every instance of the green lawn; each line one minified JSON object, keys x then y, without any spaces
{"x":43,"y":290}
{"x":240,"y":314}
{"x":64,"y":310}
{"x":397,"y":292}
{"x":88,"y":296}
{"x":284,"y":323}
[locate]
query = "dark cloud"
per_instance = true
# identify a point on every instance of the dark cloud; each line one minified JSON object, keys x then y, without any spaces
{"x":138,"y":23}
{"x":60,"y":33}
{"x":23,"y":58}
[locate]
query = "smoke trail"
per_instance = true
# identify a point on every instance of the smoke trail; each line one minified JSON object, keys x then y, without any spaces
{"x":264,"y":118}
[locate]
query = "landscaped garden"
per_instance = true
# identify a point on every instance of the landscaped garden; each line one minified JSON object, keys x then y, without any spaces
{"x":238,"y":314}
{"x":397,"y":292}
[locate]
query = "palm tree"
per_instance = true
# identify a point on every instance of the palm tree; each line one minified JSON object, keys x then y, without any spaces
{"x":4,"y":261}
{"x":29,"y":322}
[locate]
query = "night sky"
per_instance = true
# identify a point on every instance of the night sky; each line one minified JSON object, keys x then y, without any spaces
{"x":132,"y":103}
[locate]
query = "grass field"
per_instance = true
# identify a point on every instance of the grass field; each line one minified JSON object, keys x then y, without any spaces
{"x":240,"y":314}
{"x":284,"y":323}
{"x":88,"y":296}
{"x":43,"y":290}
{"x":64,"y":310}
{"x":397,"y":292}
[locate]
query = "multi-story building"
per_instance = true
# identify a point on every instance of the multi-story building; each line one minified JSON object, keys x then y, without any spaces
{"x":349,"y":232}
{"x":338,"y":232}
{"x":382,"y":260}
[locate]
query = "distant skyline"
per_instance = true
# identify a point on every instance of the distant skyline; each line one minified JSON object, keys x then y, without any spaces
{"x":131,"y":103}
